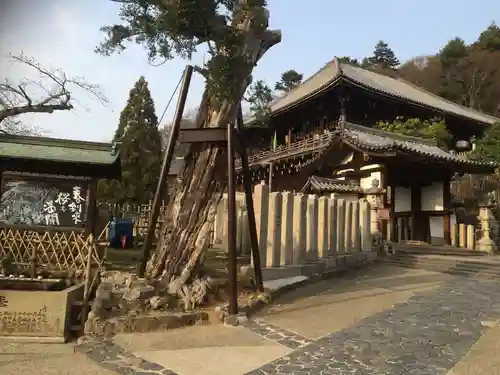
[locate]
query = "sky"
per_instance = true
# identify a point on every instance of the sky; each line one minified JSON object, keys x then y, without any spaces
{"x":62,"y":34}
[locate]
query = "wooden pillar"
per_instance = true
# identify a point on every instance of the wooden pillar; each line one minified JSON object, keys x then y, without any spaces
{"x":91,"y":208}
{"x":393,"y":218}
{"x":447,"y":209}
{"x":416,"y":217}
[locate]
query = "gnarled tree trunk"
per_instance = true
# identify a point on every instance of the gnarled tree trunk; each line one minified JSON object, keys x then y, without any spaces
{"x":202,"y":182}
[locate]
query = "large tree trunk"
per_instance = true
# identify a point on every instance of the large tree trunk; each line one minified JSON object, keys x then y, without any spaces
{"x":191,"y":211}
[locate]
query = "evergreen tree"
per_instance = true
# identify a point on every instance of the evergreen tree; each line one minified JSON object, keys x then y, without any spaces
{"x":289,"y":80}
{"x":383,"y":58}
{"x":259,"y":95}
{"x":139,"y":142}
{"x":349,"y":60}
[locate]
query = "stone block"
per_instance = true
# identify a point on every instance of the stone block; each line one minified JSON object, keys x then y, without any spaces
{"x":299,"y":228}
{"x":323,"y":227}
{"x":274,"y":231}
{"x":36,"y":315}
{"x":274,"y":273}
{"x":312,"y":228}
{"x":286,"y":257}
{"x":140,"y":292}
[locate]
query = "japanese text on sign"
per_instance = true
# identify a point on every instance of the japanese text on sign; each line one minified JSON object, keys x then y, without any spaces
{"x":64,"y":202}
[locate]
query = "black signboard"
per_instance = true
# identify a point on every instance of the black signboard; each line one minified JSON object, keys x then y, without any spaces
{"x":38,"y":202}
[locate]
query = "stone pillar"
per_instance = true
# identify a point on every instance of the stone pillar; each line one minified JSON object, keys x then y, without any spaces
{"x":366,"y":236}
{"x":274,"y":231}
{"x":355,"y":234}
{"x":261,"y":207}
{"x":454,"y":235}
{"x":340,"y":226}
{"x":462,"y":236}
{"x":471,"y":234}
{"x":221,"y":221}
{"x":348,"y":227}
{"x":323,"y":227}
{"x":312,"y":228}
{"x":299,"y":228}
{"x":374,"y":197}
{"x":287,"y":229}
{"x":332,"y":225}
{"x":485,"y":244}
{"x":245,"y":233}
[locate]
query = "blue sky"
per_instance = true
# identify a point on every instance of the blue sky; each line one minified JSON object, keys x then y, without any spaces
{"x":62,"y":34}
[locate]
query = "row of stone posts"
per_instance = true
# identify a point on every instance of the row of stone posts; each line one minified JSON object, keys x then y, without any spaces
{"x":294,"y":228}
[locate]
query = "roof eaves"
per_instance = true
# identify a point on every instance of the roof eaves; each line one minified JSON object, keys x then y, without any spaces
{"x":353,"y":81}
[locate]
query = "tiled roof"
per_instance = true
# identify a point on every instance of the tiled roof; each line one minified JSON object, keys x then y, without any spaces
{"x":57,"y":150}
{"x":330,"y":185}
{"x":332,"y":72}
{"x":375,"y":140}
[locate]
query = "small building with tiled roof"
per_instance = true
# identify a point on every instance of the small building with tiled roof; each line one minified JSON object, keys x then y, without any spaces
{"x":323,"y":132}
{"x":50,"y":184}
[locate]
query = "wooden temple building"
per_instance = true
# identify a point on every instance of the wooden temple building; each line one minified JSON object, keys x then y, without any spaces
{"x":321,"y":138}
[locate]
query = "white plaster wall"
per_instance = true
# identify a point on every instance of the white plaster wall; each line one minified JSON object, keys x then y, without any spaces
{"x":366,"y":182}
{"x":436,"y":227}
{"x":402,"y":199}
{"x":432,"y":197}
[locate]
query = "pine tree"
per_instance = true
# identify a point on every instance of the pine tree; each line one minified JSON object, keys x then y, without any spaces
{"x":289,"y":80}
{"x":139,"y":142}
{"x":383,"y":58}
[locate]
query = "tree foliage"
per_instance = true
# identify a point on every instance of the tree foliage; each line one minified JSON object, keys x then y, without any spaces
{"x":259,"y":96}
{"x":289,"y":80}
{"x":50,"y":91}
{"x":468,"y":75}
{"x":178,"y":27}
{"x":139,"y":142}
{"x":488,"y":146}
{"x":429,"y":129}
{"x":383,"y":58}
{"x":349,"y":60}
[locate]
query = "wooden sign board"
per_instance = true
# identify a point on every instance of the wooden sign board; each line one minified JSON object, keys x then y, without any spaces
{"x":41,"y":202}
{"x":383,"y":214}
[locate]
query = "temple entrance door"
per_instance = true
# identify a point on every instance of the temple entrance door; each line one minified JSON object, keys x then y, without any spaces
{"x":420,"y":227}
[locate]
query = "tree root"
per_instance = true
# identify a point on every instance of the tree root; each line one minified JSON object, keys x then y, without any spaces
{"x":195,"y":292}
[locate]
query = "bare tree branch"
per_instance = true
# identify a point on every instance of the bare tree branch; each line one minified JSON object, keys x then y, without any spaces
{"x":51,"y":92}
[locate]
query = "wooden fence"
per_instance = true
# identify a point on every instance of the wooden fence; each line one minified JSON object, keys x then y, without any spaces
{"x":139,"y":213}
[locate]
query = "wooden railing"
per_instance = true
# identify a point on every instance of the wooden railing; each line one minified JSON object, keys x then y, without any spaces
{"x":317,"y":141}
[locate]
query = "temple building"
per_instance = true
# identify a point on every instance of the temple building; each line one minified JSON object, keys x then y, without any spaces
{"x":321,"y":138}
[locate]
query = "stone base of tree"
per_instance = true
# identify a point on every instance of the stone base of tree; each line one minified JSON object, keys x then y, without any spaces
{"x":124,"y":303}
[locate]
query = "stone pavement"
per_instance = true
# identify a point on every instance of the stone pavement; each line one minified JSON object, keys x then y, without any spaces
{"x":45,"y":359}
{"x":381,"y":320}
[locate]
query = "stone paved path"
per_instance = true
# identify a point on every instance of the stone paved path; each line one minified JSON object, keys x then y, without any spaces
{"x":384,"y":321}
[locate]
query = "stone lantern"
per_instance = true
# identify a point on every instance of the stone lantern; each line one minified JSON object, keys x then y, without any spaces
{"x":374,"y":196}
{"x":487,"y":222}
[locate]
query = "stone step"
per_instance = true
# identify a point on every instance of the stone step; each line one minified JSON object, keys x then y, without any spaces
{"x":434,"y":250}
{"x":485,"y":269}
{"x":456,"y":272}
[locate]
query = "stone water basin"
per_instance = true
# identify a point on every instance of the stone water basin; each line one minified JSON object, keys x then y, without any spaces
{"x":37,"y":310}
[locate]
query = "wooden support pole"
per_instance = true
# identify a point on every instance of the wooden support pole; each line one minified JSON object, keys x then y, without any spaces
{"x":252,"y":226}
{"x":231,"y":222}
{"x":167,"y":161}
